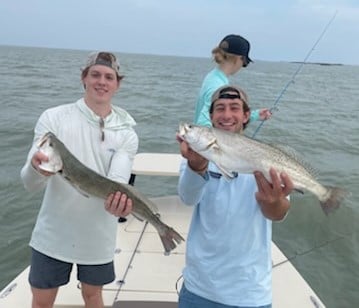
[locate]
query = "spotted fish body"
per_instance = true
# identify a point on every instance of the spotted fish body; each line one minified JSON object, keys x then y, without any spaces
{"x":233,"y":152}
{"x":90,"y":183}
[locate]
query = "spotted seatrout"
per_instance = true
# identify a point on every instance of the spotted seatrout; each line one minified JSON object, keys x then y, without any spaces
{"x":90,"y":183}
{"x":233,"y":152}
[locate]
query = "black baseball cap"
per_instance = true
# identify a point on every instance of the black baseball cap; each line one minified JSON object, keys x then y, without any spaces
{"x":237,"y":45}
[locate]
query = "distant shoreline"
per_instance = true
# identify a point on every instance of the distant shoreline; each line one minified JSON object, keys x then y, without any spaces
{"x":318,"y":63}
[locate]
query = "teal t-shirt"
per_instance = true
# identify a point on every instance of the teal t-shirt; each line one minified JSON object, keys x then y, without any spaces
{"x":213,"y":80}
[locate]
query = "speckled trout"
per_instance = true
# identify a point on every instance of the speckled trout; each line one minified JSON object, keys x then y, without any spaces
{"x":90,"y":183}
{"x":232,"y":152}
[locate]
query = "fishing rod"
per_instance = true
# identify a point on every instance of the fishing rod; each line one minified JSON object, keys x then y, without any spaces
{"x":296,"y":72}
{"x":314,"y":248}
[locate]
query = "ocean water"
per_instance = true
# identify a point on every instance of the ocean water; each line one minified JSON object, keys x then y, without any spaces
{"x":317,"y":116}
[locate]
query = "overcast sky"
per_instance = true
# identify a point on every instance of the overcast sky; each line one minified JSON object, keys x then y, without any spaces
{"x":278,"y":30}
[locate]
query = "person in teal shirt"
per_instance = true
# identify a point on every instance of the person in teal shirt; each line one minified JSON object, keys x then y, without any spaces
{"x":231,"y":55}
{"x":228,"y":252}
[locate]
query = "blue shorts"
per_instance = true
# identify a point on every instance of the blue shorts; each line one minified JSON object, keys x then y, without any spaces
{"x":48,"y":273}
{"x":188,"y":299}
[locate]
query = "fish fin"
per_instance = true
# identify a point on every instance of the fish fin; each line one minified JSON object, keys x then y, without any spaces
{"x":139,"y":217}
{"x":169,"y":238}
{"x":228,"y":175}
{"x":334,"y":199}
{"x":78,"y":189}
{"x":85,"y":194}
{"x":153,"y":207}
{"x":296,"y":156}
{"x":215,"y":145}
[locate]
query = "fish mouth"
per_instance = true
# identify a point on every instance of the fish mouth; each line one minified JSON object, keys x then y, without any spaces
{"x":46,"y":146}
{"x":183,"y":130}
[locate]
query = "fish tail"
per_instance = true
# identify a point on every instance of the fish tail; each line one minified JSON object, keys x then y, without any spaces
{"x":333,"y":199}
{"x":169,"y":238}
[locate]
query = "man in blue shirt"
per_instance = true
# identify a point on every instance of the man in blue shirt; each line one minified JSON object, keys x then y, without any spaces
{"x":228,"y":255}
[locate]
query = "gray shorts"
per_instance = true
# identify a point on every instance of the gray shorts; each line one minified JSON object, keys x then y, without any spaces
{"x":48,"y":273}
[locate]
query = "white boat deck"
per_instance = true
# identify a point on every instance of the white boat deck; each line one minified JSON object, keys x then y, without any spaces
{"x":145,"y":277}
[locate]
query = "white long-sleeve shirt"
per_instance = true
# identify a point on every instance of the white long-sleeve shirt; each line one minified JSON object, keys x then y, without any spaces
{"x":71,"y":227}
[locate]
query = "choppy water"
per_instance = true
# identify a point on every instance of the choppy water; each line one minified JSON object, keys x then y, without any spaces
{"x":318,"y":116}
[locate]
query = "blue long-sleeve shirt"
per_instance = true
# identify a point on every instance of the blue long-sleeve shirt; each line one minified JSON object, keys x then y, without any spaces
{"x":228,"y":255}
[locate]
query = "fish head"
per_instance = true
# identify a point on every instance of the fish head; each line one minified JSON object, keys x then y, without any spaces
{"x":199,"y":138}
{"x":47,"y":145}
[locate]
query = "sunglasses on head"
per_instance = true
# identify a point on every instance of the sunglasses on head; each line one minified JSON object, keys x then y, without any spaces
{"x":224,"y":93}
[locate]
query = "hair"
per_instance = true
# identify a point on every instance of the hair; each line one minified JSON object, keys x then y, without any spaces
{"x":220,"y":56}
{"x":244,"y":99}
